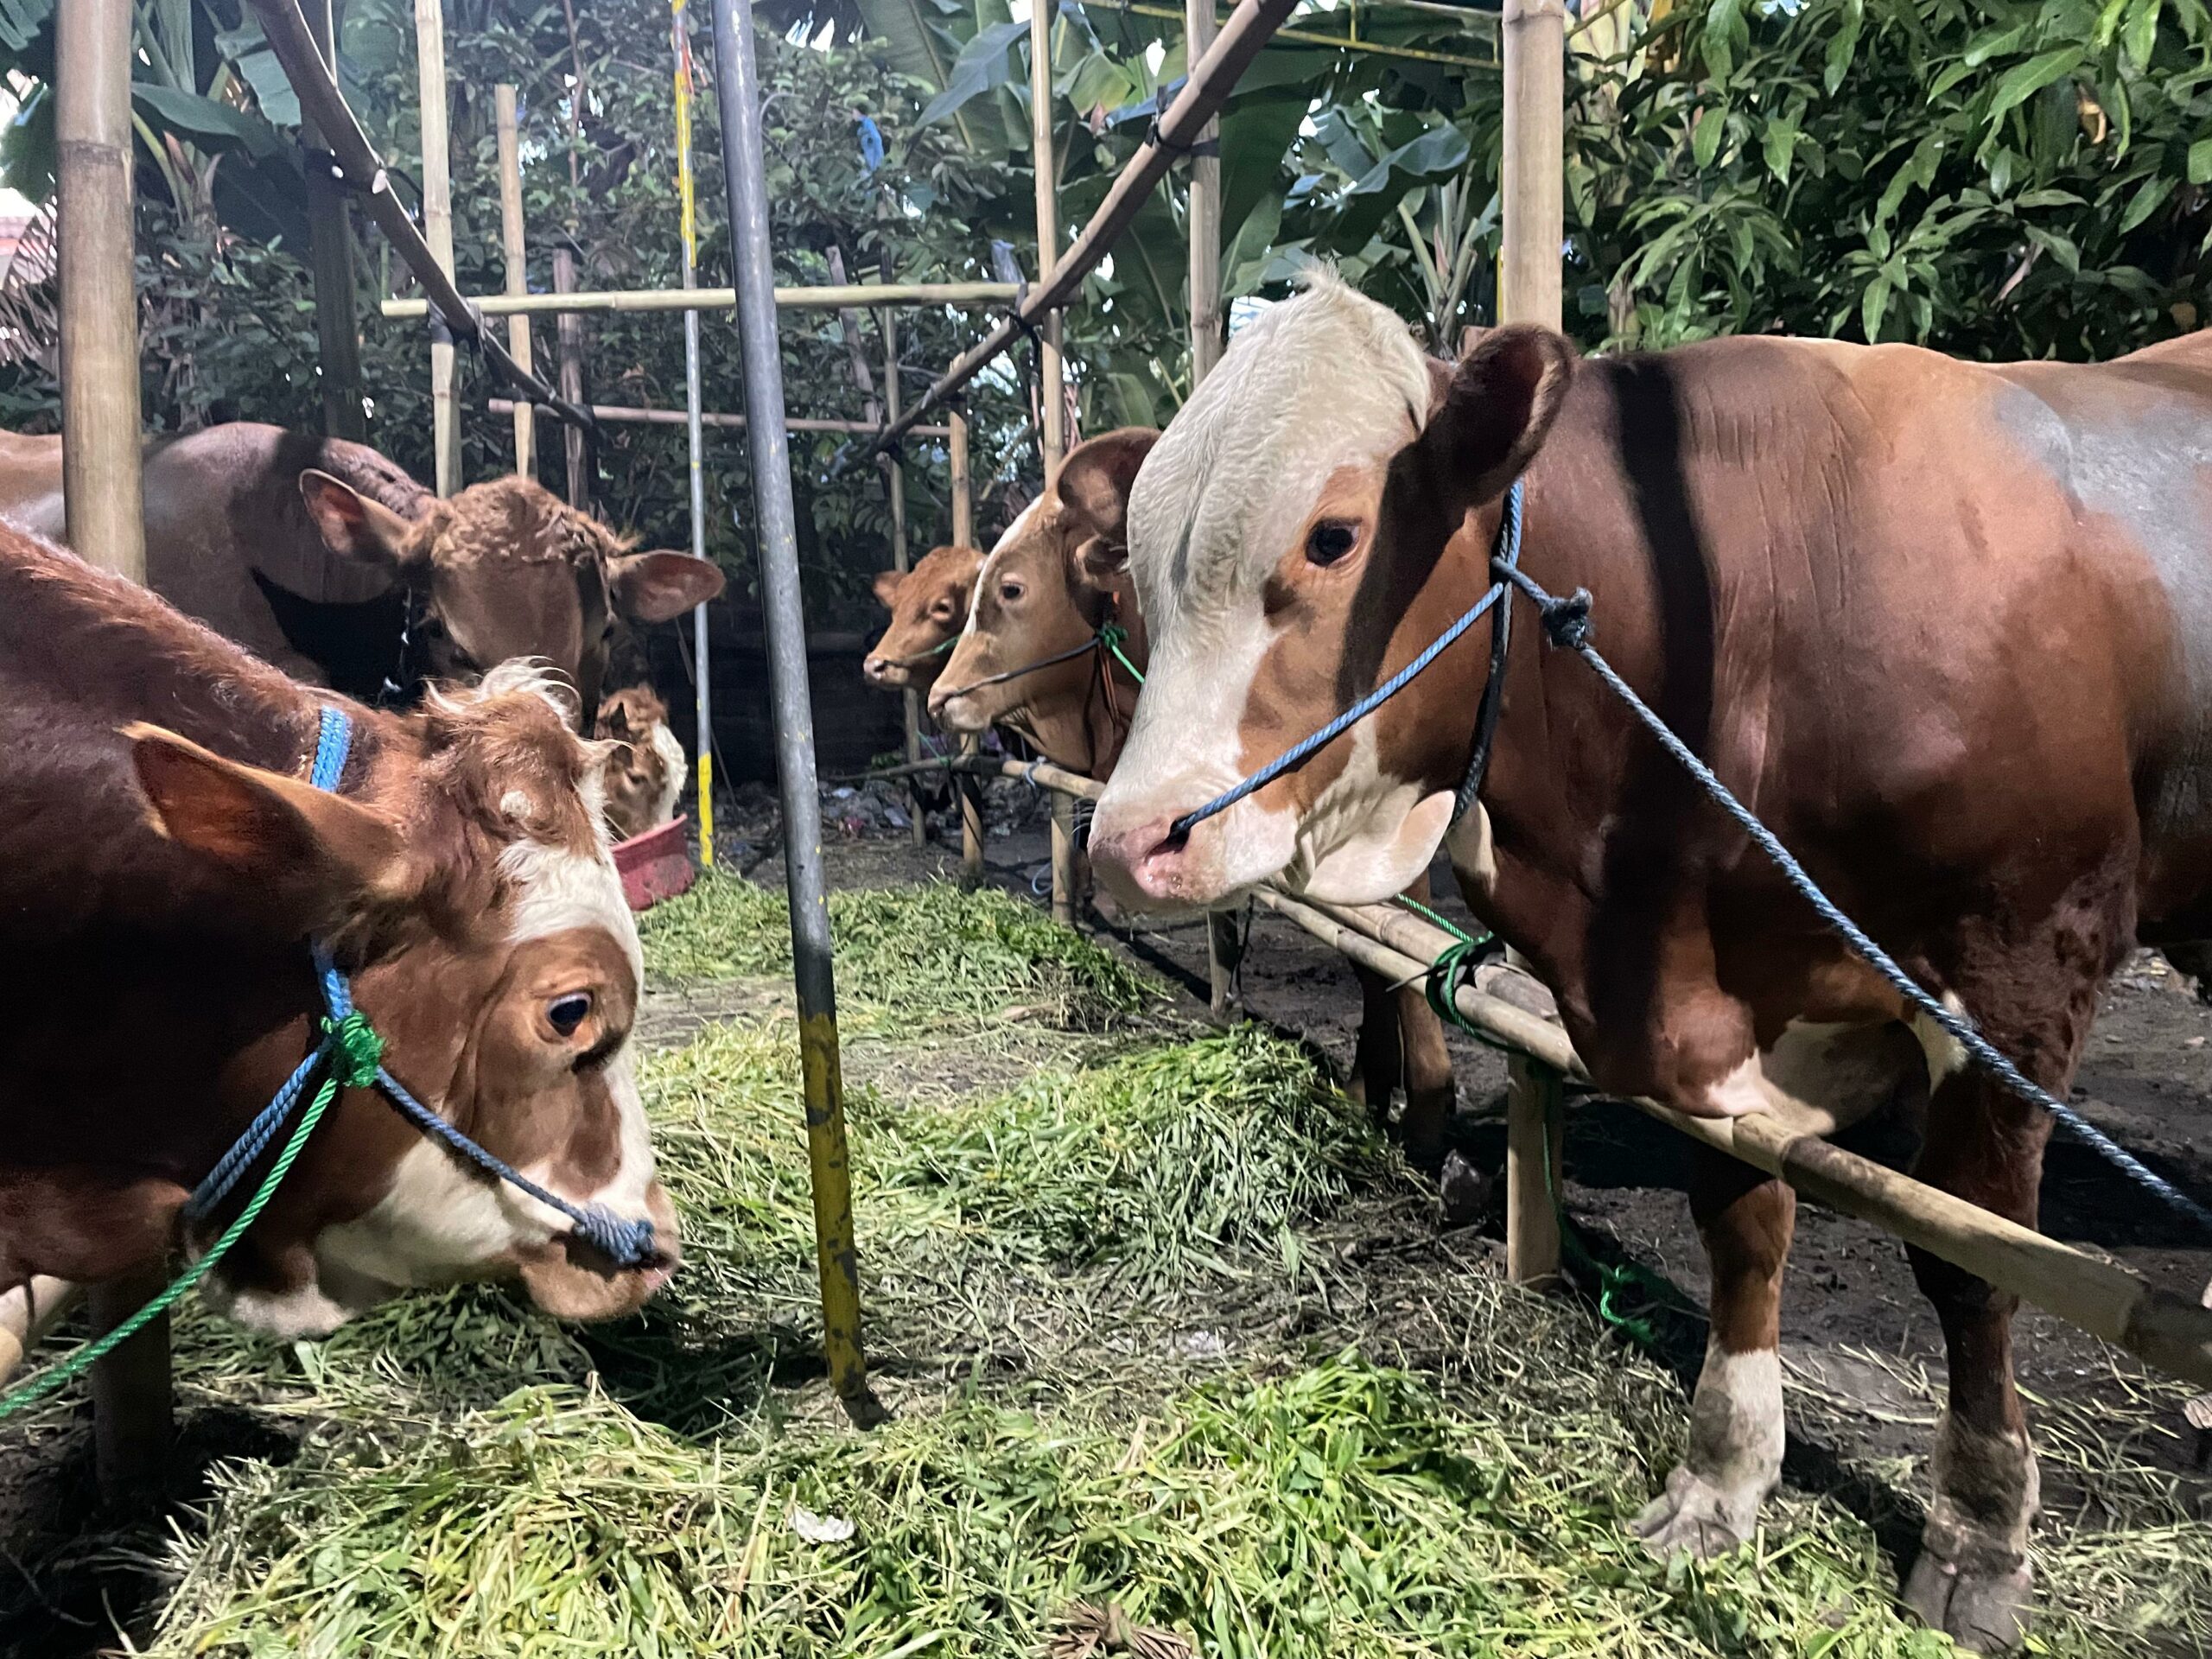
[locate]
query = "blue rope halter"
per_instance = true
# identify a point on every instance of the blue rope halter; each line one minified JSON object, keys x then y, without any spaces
{"x":626,"y":1243}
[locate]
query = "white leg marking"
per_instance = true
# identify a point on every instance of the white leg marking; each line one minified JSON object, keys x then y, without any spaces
{"x":1712,"y":1501}
{"x":1946,"y":1054}
{"x":1474,"y":851}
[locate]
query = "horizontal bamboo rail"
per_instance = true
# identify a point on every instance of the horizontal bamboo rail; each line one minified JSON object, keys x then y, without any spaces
{"x":1211,"y":80}
{"x":822,"y":298}
{"x":362,"y":171}
{"x":29,"y":1315}
{"x":628,"y":415}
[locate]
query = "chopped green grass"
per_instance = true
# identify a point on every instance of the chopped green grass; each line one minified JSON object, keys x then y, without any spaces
{"x":924,"y":954}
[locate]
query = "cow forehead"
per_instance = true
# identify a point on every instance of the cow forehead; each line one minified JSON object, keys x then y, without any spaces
{"x":1327,"y":379}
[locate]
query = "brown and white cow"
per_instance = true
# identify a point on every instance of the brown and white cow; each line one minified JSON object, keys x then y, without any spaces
{"x":1056,"y":577}
{"x":163,"y":863}
{"x":645,"y":767}
{"x":311,"y":553}
{"x":928,"y":605}
{"x":1945,"y":626}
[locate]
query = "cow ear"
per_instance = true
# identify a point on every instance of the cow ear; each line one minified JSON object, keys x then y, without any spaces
{"x":887,"y":584}
{"x":1100,"y":562}
{"x":318,"y":855}
{"x":1095,"y":480}
{"x":659,"y":587}
{"x":1495,"y":412}
{"x":356,"y":528}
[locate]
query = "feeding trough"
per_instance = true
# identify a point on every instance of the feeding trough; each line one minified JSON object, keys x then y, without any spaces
{"x":655,"y":865}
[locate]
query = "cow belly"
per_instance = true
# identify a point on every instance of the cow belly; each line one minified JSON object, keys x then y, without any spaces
{"x":1818,"y":1078}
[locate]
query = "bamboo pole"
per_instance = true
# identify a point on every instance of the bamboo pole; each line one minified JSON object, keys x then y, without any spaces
{"x":818,"y":297}
{"x":437,"y":230}
{"x":1052,"y":393}
{"x":103,"y":512}
{"x":963,"y":488}
{"x":1535,"y":1124}
{"x":330,"y":253}
{"x":702,"y":676}
{"x":517,"y":261}
{"x":910,"y":701}
{"x":1208,"y":85}
{"x":1064,"y":906}
{"x":969,"y":794}
{"x":1533,"y":183}
{"x":630,"y":415}
{"x":1199,"y":31}
{"x":29,"y":1315}
{"x":568,"y":341}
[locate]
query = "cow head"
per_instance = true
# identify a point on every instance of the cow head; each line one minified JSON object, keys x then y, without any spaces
{"x":1288,"y":538}
{"x":463,"y":878}
{"x":1047,"y":587}
{"x":508,"y":570}
{"x":645,"y":765}
{"x":928,"y":606}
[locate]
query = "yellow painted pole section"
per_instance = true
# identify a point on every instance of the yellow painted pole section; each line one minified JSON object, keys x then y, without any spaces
{"x":437,"y":226}
{"x":518,"y":260}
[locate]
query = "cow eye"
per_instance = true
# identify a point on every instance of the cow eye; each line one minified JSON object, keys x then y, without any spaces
{"x":1329,"y":541}
{"x":1009,"y":592}
{"x":942,"y":611}
{"x":565,"y":1014}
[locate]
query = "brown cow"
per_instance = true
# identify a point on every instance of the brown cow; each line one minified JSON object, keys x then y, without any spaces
{"x":1051,"y":581}
{"x":158,"y":886}
{"x":644,"y":772}
{"x":243,"y":522}
{"x":1945,"y":626}
{"x":928,"y":605}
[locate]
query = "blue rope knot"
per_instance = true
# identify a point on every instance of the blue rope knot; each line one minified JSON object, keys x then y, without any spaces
{"x":356,"y":1051}
{"x":626,"y":1243}
{"x":1567,"y":621}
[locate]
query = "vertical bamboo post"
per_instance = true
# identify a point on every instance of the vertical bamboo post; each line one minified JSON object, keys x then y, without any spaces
{"x":963,"y":488}
{"x":1534,"y":1129}
{"x":330,"y":250}
{"x":910,"y":701}
{"x":438,"y":227}
{"x":688,"y":216}
{"x":1199,"y":30}
{"x":1052,"y":416}
{"x":1533,"y":188}
{"x":517,"y":261}
{"x":103,"y":515}
{"x":569,"y":340}
{"x":1064,"y":904}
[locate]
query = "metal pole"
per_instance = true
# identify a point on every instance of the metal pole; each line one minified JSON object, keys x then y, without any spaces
{"x":687,"y":202}
{"x":1533,"y":175}
{"x":895,"y":478}
{"x":438,"y":227}
{"x":103,"y":515}
{"x":737,"y":84}
{"x":330,"y":249}
{"x":518,"y":262}
{"x":1053,"y":416}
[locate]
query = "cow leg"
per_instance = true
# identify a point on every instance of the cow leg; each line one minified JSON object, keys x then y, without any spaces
{"x":1711,"y":1502}
{"x":1429,"y":1093}
{"x":1972,"y":1579}
{"x":1378,"y":1058}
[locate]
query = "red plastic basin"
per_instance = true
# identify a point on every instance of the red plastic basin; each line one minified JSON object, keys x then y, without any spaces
{"x":654,"y":865}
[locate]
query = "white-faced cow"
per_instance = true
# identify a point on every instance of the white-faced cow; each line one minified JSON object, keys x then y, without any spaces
{"x":324,"y":558}
{"x":163,"y":864}
{"x":645,"y":765}
{"x":1945,"y":626}
{"x":1055,"y":578}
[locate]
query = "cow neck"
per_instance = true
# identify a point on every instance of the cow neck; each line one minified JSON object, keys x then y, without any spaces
{"x":1092,"y":736}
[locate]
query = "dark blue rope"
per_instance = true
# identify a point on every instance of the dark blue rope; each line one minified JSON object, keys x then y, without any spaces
{"x":626,"y":1243}
{"x":1567,"y":621}
{"x":1299,"y":753}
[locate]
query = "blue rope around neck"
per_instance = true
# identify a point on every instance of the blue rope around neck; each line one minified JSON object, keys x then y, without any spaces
{"x":626,"y":1243}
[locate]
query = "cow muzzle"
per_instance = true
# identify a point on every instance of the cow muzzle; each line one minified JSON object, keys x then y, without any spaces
{"x":1145,"y":866}
{"x":883,"y":672}
{"x":571,"y":1280}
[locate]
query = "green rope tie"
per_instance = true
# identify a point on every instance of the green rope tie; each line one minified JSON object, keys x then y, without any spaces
{"x":1113,"y":637}
{"x":352,"y":1054}
{"x":1453,"y":967}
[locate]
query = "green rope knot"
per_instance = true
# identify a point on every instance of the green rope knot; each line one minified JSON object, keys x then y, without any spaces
{"x":356,"y":1051}
{"x":1112,"y":636}
{"x":1453,"y":967}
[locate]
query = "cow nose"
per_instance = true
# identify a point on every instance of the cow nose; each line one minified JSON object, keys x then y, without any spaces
{"x":875,"y":668}
{"x":1144,"y":863}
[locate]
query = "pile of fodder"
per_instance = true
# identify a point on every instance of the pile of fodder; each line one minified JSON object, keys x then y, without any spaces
{"x":932,"y":954}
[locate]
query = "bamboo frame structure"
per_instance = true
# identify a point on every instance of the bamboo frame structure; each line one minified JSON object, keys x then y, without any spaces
{"x":437,"y":233}
{"x":517,"y":264}
{"x":634,"y":415}
{"x":823,"y":297}
{"x":330,"y":254}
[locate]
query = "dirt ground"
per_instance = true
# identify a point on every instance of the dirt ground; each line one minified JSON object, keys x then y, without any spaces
{"x":1855,"y":1329}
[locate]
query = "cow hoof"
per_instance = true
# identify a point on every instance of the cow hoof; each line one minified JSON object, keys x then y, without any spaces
{"x":1464,"y":1189}
{"x":1983,"y":1609}
{"x":1696,"y":1514}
